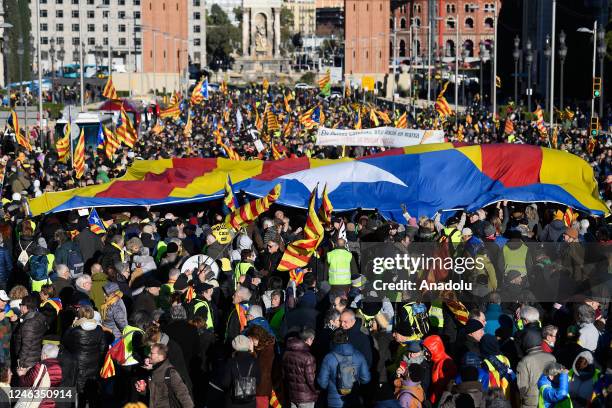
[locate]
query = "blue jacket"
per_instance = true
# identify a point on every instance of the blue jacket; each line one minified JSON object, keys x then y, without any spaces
{"x":553,"y":395}
{"x":259,"y":321}
{"x":483,"y":378}
{"x":493,"y":312}
{"x":327,"y":375}
{"x":6,"y":266}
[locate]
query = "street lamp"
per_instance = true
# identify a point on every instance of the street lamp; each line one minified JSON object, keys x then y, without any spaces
{"x":20,"y":54}
{"x":483,"y":50}
{"x":4,"y":27}
{"x":529,"y":59}
{"x":601,"y":53}
{"x":60,"y":56}
{"x":562,"y":55}
{"x":52,"y":56}
{"x":516,"y":53}
{"x":593,"y":32}
{"x":464,"y":54}
{"x":547,"y":55}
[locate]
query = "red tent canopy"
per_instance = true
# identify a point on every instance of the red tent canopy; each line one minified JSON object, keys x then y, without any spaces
{"x":115,"y":105}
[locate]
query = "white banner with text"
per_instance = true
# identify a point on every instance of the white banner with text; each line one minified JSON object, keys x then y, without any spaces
{"x":380,"y":136}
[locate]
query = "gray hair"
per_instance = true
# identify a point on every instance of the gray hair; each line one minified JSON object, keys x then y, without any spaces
{"x":332,"y":314}
{"x":80,"y":281}
{"x":174,"y":273}
{"x":49,"y":351}
{"x":307,"y":333}
{"x":530,"y":314}
{"x":267,"y":223}
{"x":584,"y":314}
{"x":244,"y":293}
{"x":61,"y":269}
{"x":177,"y":312}
{"x":553,"y":369}
{"x":255,"y":311}
{"x":349,"y":312}
{"x":549,"y":330}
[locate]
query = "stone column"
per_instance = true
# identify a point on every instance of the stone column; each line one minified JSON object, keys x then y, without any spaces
{"x":252,"y":31}
{"x":246,"y":22}
{"x":277,"y":33}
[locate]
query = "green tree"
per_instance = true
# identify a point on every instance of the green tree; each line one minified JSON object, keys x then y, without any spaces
{"x":222,"y":38}
{"x":17,"y":13}
{"x":286,"y":23}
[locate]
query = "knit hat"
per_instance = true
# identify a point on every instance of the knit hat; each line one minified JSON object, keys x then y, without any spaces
{"x":413,"y":347}
{"x":472,"y":326}
{"x":241,"y":343}
{"x":489,"y":345}
{"x":110,"y":287}
{"x":181,"y":282}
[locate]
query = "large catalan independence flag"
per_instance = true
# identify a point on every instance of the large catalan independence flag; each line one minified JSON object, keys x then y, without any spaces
{"x":427,"y":178}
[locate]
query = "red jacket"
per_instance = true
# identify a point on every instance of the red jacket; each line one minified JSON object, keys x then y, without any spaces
{"x":546,"y":348}
{"x":55,"y":376}
{"x":443,"y":367}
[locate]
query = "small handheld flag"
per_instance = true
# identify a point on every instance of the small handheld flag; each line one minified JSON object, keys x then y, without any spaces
{"x":96,"y":225}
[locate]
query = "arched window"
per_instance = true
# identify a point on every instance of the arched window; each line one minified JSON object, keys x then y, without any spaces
{"x":403,"y":23}
{"x":488,"y":22}
{"x":469,"y":22}
{"x":469,"y":46}
{"x":450,"y":22}
{"x":402,"y":48}
{"x":450,"y":48}
{"x":417,"y":21}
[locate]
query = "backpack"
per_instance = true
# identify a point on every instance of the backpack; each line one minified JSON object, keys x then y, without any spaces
{"x":23,"y":257}
{"x":418,"y":318}
{"x":38,"y":267}
{"x":345,"y":374}
{"x":419,"y":404}
{"x":74,"y":261}
{"x":243,"y":389}
{"x":172,"y":399}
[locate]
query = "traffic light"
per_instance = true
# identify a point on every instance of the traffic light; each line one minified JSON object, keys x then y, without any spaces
{"x":594,"y":127}
{"x":596,"y":87}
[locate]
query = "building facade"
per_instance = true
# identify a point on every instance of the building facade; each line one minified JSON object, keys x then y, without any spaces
{"x":165,"y":41}
{"x":304,"y":16}
{"x":329,"y":18}
{"x":472,"y":21}
{"x":197,"y":32}
{"x":366,"y":30}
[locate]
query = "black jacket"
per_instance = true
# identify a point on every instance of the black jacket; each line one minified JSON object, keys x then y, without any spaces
{"x":238,"y":366}
{"x":27,"y":340}
{"x":86,"y":342}
{"x":186,"y":336}
{"x":90,"y":245}
{"x":360,"y":341}
{"x":301,"y":316}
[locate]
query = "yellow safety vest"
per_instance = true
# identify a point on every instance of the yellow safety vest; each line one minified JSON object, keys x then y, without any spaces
{"x":455,"y":236}
{"x":339,"y":261}
{"x":515,"y":259}
{"x":209,"y":320}
{"x":436,"y":315}
{"x":416,"y":327}
{"x":241,"y":269}
{"x":161,"y":250}
{"x":566,"y":403}
{"x":128,"y":333}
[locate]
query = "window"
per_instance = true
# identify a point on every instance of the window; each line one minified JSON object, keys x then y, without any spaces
{"x":75,"y":2}
{"x":106,"y":2}
{"x":402,"y":23}
{"x":90,"y":2}
{"x":105,"y":13}
{"x":91,"y":28}
{"x":469,"y":8}
{"x":197,"y":42}
{"x":44,"y":55}
{"x":91,"y":14}
{"x":137,"y":14}
{"x":43,"y":13}
{"x":44,"y":27}
{"x":197,"y":56}
{"x":196,"y":15}
{"x":75,"y":13}
{"x":417,"y":21}
{"x":402,"y":48}
{"x":75,"y":27}
{"x":137,"y":42}
{"x":450,"y":48}
{"x":59,"y":40}
{"x":121,"y":2}
{"x":469,"y":23}
{"x":59,"y":13}
{"x":450,"y":9}
{"x":122,"y":28}
{"x":121,"y":14}
{"x":44,"y":40}
{"x":137,"y":29}
{"x":416,"y":8}
{"x":75,"y":40}
{"x":91,"y":41}
{"x":137,"y":2}
{"x":75,"y":55}
{"x":122,"y":41}
{"x":196,"y":3}
{"x":196,"y":28}
{"x":105,"y":41}
{"x":59,"y":1}
{"x":43,"y":1}
{"x":450,"y":22}
{"x":59,"y":27}
{"x":105,"y":28}
{"x":488,"y":22}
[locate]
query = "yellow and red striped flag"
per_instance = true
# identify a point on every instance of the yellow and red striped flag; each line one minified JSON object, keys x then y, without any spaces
{"x":175,"y":98}
{"x":288,"y":128}
{"x":223,"y":87}
{"x":358,"y":124}
{"x":188,"y":126}
{"x":569,"y":217}
{"x":13,"y":122}
{"x":231,"y":153}
{"x":460,"y":134}
{"x":298,"y":253}
{"x":253,"y":209}
{"x":229,"y":199}
{"x":79,"y":155}
{"x":402,"y":121}
{"x":111,"y":142}
{"x":63,"y":144}
{"x":125,"y":131}
{"x":258,"y":121}
{"x":272,"y":121}
{"x":326,"y":208}
{"x":109,"y":90}
{"x":108,"y":368}
{"x":384,"y":117}
{"x":172,"y":111}
{"x":373,"y":118}
{"x":441,"y":105}
{"x":325,"y":83}
{"x":274,"y":402}
{"x":276,"y":154}
{"x":265,"y":85}
{"x":540,"y":121}
{"x":509,"y":127}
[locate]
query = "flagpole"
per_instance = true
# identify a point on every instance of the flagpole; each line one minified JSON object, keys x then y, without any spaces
{"x":551,"y":117}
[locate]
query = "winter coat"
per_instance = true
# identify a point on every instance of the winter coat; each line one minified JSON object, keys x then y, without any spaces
{"x":238,"y":366}
{"x":492,"y":314}
{"x":144,"y":301}
{"x":63,"y":289}
{"x":186,"y":336}
{"x":61,"y":253}
{"x":301,"y":316}
{"x":98,"y":280}
{"x":528,"y":372}
{"x":176,"y":358}
{"x":588,"y":336}
{"x":552,"y":231}
{"x":110,"y":256}
{"x":6,"y":331}
{"x":90,"y":245}
{"x":146,"y":261}
{"x":6,"y":266}
{"x":550,"y":394}
{"x":54,"y":371}
{"x":299,"y":372}
{"x":329,"y":368}
{"x":27,"y":339}
{"x":116,"y":318}
{"x":360,"y":341}
{"x":581,"y":383}
{"x":443,"y":368}
{"x":471,"y":388}
{"x":86,"y":342}
{"x":159,"y":392}
{"x":265,"y":361}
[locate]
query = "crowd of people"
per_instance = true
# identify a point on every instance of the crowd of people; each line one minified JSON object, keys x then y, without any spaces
{"x":232,"y":330}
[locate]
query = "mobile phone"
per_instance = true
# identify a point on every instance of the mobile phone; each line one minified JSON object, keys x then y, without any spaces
{"x":404,"y":365}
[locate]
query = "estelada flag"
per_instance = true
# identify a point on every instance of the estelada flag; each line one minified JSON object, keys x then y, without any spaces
{"x":326,"y":208}
{"x":249,"y":212}
{"x":126,"y":133}
{"x":111,"y":142}
{"x":109,"y":90}
{"x":402,"y":121}
{"x":79,"y":155}
{"x":229,"y":199}
{"x":569,"y":217}
{"x":63,"y":144}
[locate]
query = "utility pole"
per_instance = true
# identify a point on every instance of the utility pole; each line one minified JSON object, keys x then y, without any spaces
{"x":551,"y":117}
{"x":594,"y":62}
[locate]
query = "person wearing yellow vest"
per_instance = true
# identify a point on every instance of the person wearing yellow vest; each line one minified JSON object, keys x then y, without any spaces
{"x":515,"y":254}
{"x":237,"y":319}
{"x":133,"y":340}
{"x":341,"y":265}
{"x":167,"y":289}
{"x":452,"y":231}
{"x":203,"y":306}
{"x":550,"y":395}
{"x":247,"y":258}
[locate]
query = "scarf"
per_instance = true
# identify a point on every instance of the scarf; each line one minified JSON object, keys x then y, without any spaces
{"x":112,"y":299}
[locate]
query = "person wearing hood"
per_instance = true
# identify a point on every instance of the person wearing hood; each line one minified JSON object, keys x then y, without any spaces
{"x":501,"y":375}
{"x":85,"y":341}
{"x":582,"y":378}
{"x":553,"y":386}
{"x":342,"y":349}
{"x":553,"y":231}
{"x":470,"y":387}
{"x":443,"y":368}
{"x":531,"y":367}
{"x":357,"y":338}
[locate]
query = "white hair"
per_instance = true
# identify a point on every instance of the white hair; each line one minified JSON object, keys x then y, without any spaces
{"x":49,"y":351}
{"x":530,"y":314}
{"x":244,"y":293}
{"x":267,"y":223}
{"x":80,"y":281}
{"x":62,"y":269}
{"x":255,"y":311}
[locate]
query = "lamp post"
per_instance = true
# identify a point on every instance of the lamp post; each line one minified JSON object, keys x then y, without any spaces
{"x":529,"y":59}
{"x":20,"y":54}
{"x":483,"y":50}
{"x":4,"y":27}
{"x":593,"y":32}
{"x":516,"y":53}
{"x":547,"y":55}
{"x":39,"y":69}
{"x":601,"y":53}
{"x":52,"y":56}
{"x":562,"y":55}
{"x":60,"y":56}
{"x":464,"y":55}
